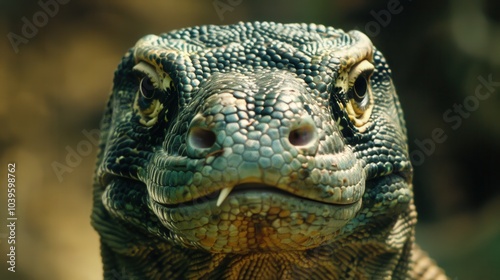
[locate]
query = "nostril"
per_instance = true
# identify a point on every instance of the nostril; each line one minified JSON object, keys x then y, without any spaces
{"x":301,"y":136}
{"x":201,"y":138}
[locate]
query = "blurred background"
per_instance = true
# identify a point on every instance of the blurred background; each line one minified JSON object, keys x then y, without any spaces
{"x":56,"y":75}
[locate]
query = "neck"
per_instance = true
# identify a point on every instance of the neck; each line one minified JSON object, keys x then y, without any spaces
{"x":383,"y":251}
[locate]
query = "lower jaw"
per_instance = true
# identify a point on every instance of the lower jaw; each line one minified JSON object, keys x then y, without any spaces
{"x":255,"y":221}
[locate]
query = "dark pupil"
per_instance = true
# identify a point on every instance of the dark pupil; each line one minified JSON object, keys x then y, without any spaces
{"x":359,"y":88}
{"x":147,"y":89}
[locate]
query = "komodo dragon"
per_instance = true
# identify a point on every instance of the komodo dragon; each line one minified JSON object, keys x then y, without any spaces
{"x":256,"y":151}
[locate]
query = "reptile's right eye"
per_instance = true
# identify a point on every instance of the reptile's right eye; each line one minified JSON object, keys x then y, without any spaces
{"x":147,"y":102}
{"x":146,"y":88}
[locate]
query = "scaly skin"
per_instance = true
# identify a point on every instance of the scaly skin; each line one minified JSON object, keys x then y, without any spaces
{"x":256,"y":151}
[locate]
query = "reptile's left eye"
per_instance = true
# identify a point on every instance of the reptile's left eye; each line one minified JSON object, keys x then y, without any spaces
{"x":360,"y":89}
{"x":359,"y":94}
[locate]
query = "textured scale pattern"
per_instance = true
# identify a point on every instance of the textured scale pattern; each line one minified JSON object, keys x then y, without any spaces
{"x":256,"y":151}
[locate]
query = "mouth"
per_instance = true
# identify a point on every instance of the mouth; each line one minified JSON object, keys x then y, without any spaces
{"x":254,"y":216}
{"x":246,"y":188}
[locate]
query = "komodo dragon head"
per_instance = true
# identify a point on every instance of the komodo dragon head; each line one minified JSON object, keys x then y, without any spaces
{"x":254,"y":151}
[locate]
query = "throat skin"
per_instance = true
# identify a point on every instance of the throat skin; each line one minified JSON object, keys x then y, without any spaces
{"x":354,"y":256}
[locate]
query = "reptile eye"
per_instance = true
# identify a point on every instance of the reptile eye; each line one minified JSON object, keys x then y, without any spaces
{"x":146,"y":88}
{"x":359,"y":93}
{"x":150,"y":80}
{"x":359,"y":89}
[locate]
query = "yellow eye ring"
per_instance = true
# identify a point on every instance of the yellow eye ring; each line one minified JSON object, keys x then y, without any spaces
{"x":360,"y":103}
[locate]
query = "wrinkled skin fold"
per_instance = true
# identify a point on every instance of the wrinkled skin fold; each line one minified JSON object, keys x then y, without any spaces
{"x":256,"y":151}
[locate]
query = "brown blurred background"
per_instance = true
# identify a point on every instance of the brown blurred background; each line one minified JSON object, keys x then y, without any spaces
{"x":57,"y":83}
